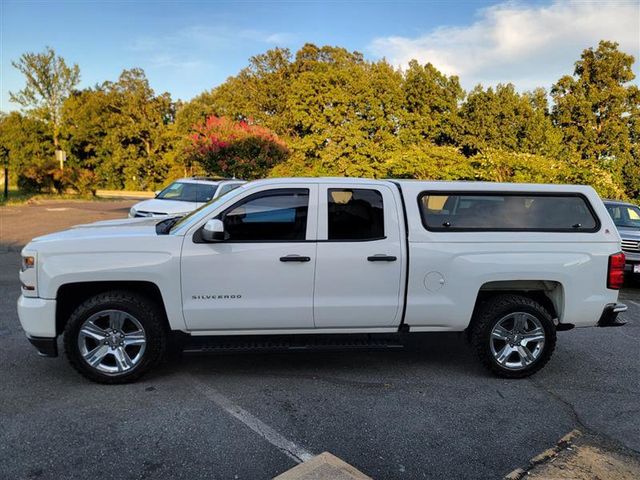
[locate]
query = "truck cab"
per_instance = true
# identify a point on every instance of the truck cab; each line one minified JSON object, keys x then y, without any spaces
{"x":509,"y":264}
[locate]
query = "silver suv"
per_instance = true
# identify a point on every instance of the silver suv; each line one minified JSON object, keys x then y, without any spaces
{"x":626,"y":216}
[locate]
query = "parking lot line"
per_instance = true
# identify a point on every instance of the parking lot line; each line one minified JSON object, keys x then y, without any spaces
{"x":289,"y":448}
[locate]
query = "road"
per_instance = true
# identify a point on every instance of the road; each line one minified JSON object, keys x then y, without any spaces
{"x":428,"y":411}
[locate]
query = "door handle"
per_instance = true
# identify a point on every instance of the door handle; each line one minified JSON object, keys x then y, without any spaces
{"x":382,"y":258}
{"x":295,"y":258}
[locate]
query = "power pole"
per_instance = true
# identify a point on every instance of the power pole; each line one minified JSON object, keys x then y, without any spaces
{"x":61,"y":156}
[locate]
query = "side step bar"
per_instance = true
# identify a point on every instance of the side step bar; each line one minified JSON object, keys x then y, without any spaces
{"x":288,"y":343}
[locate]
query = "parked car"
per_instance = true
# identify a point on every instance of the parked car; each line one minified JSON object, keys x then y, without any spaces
{"x":626,"y":216}
{"x":508,"y":264}
{"x":184,"y":196}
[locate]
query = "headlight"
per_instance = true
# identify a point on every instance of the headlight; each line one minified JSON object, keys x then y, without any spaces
{"x":28,"y":275}
{"x":132,"y":212}
{"x":28,"y":261}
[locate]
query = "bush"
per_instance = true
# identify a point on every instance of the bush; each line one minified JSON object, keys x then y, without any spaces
{"x":81,"y":180}
{"x":39,"y":177}
{"x":236,"y":149}
{"x":430,"y":162}
{"x":46,"y":177}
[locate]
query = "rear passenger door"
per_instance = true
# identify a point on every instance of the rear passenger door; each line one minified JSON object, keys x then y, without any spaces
{"x":359,"y":257}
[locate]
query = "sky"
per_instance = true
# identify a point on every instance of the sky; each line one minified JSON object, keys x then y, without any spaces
{"x":187,"y":47}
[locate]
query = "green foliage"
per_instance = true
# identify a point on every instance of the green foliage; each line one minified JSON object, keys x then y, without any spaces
{"x":344,"y":111}
{"x":431,"y":102}
{"x":329,"y":111}
{"x":235,"y":149}
{"x":122,"y":131}
{"x":40,"y":176}
{"x":501,"y":118}
{"x":27,"y":140}
{"x":80,"y":180}
{"x":597,"y":110}
{"x":45,"y":176}
{"x":431,"y":162}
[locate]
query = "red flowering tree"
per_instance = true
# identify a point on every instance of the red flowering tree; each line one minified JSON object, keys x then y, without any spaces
{"x":227,"y":148}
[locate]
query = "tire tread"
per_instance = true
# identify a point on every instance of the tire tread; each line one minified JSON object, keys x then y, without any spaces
{"x":152,"y":322}
{"x":493,"y":309}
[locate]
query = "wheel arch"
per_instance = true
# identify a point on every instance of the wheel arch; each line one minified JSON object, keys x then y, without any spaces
{"x":549,"y":293}
{"x":70,"y":295}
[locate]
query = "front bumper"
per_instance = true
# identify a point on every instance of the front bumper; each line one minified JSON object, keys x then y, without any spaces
{"x":632,"y":258}
{"x":37,"y":317}
{"x":609,"y":317}
{"x":47,"y":347}
{"x":628,"y":267}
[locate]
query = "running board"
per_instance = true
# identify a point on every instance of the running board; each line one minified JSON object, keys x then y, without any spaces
{"x":288,"y":343}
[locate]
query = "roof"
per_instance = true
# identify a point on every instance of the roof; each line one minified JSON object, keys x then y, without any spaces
{"x":208,"y":180}
{"x":438,"y":185}
{"x":618,"y":202}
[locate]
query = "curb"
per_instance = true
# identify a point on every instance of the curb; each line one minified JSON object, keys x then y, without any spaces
{"x":124,"y":194}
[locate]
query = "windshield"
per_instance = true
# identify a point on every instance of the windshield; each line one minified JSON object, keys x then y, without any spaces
{"x":204,"y":209}
{"x":627,"y":216}
{"x":188,"y":192}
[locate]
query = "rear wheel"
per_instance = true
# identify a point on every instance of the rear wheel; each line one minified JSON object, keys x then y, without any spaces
{"x":115,"y":337}
{"x":513,"y":335}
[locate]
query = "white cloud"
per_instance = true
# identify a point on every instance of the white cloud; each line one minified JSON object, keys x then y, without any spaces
{"x":529,"y":46}
{"x":198,"y":37}
{"x":187,"y":47}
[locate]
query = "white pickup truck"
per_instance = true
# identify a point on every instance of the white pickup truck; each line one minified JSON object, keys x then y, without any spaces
{"x":509,"y":264}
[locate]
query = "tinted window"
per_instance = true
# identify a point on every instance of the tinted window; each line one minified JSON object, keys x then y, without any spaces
{"x":355,"y":214}
{"x":624,"y":215}
{"x":188,"y":192}
{"x":506,"y":212}
{"x":267,"y":216}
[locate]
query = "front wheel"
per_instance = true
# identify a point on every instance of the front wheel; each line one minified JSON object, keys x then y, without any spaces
{"x":514,"y":336}
{"x":115,"y":337}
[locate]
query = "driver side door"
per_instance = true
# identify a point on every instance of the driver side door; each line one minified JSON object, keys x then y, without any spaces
{"x":260,"y":277}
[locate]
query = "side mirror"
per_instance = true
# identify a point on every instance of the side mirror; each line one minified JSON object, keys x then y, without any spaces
{"x":213,"y":231}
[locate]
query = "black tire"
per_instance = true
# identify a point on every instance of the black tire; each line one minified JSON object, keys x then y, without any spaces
{"x":145,"y":312}
{"x":495,"y":310}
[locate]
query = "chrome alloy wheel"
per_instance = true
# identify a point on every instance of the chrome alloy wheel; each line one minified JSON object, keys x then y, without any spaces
{"x":112,"y":341}
{"x":517,"y":340}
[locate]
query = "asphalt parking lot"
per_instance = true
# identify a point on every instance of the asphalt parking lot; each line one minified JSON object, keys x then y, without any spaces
{"x":428,"y":411}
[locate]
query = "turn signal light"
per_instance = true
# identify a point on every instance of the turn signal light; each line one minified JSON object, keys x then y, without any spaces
{"x":615,"y":275}
{"x":28,"y":262}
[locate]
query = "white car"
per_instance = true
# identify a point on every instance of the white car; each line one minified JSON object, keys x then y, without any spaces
{"x":509,"y":264}
{"x":184,"y":196}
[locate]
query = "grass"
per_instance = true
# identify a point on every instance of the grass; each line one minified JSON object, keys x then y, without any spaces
{"x":18,"y":197}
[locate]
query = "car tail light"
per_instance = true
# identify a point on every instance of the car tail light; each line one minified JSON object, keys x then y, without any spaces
{"x":615,"y":275}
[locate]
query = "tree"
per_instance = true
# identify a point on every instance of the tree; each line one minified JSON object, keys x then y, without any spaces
{"x":31,"y":162}
{"x":122,"y":131}
{"x":49,"y":81}
{"x":597,"y":110}
{"x":431,"y":104}
{"x":236,"y":149}
{"x":426,"y":161}
{"x":345,"y":112}
{"x":26,"y":139}
{"x":501,"y":118}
